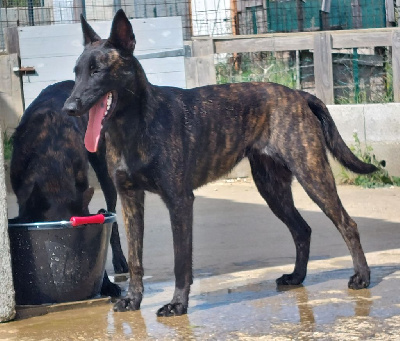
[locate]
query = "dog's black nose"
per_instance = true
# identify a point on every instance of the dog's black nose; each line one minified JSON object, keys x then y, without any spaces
{"x":73,"y":106}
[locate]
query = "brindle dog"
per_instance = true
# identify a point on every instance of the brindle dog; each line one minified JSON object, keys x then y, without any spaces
{"x":170,"y":141}
{"x":49,"y":168}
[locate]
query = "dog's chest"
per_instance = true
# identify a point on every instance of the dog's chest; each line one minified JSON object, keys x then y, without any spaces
{"x":128,"y":169}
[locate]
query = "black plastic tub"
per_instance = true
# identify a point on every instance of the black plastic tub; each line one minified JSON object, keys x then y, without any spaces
{"x":56,"y":262}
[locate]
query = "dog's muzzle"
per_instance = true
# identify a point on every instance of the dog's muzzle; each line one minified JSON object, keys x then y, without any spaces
{"x":73,"y":106}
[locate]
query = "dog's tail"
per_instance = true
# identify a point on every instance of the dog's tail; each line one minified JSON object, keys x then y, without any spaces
{"x":334,"y":141}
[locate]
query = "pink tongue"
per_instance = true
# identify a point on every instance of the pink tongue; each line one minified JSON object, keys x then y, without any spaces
{"x":96,"y":114}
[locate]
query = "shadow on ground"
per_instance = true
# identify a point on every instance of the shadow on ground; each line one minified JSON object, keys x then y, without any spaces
{"x":231,"y":236}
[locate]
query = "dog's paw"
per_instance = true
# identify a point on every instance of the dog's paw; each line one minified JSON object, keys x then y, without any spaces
{"x":357,"y":281}
{"x":289,"y":279}
{"x":172,"y":309}
{"x":120,"y":264}
{"x":128,"y":303}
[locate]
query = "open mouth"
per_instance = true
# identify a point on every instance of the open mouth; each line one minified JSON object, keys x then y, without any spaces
{"x":98,"y":113}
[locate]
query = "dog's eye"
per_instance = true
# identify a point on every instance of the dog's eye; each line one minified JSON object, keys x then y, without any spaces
{"x":93,"y":69}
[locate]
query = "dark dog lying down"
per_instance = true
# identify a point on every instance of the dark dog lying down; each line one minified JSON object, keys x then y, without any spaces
{"x":49,"y":168}
{"x":170,"y":141}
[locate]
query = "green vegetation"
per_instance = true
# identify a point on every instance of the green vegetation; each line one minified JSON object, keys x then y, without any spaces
{"x":7,"y":146}
{"x":265,"y":68}
{"x":380,"y":178}
{"x":20,"y":3}
{"x":369,"y":92}
{"x":373,"y":82}
{"x":348,"y":97}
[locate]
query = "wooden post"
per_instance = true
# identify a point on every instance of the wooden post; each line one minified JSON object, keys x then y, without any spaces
{"x":396,"y":64}
{"x":11,"y":99}
{"x":79,"y":8}
{"x":202,"y":47}
{"x":300,"y":15}
{"x":356,"y":13}
{"x":390,"y":16}
{"x":11,"y":40}
{"x":323,"y":71}
{"x":298,"y":71}
{"x":234,"y":18}
{"x":190,"y":18}
{"x":200,"y":68}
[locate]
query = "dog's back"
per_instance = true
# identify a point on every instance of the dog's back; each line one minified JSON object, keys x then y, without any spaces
{"x":49,"y":163}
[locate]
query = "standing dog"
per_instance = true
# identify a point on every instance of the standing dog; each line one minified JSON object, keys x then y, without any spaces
{"x":49,"y":167}
{"x":170,"y":141}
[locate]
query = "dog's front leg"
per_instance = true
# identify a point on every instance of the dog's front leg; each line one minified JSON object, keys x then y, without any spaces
{"x":99,"y":163}
{"x":181,"y":214}
{"x":133,"y":214}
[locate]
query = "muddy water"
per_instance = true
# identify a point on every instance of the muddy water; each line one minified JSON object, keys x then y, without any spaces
{"x":244,"y":306}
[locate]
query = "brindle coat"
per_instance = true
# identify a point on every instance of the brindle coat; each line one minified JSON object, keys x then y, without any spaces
{"x":170,"y":141}
{"x":49,"y":168}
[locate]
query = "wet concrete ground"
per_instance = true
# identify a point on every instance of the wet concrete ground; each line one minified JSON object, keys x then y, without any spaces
{"x":228,"y":302}
{"x":244,"y":306}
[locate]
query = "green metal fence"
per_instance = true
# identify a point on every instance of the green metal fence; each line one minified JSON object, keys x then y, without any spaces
{"x":289,"y":16}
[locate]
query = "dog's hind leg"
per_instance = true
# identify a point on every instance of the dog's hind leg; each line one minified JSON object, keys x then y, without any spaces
{"x":99,"y":164}
{"x":315,"y":175}
{"x":109,"y":288}
{"x":273,"y":181}
{"x":181,"y":214}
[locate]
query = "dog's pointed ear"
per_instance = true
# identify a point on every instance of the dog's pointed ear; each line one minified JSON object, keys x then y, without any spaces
{"x":89,"y":35}
{"x":36,"y":205}
{"x":121,"y":36}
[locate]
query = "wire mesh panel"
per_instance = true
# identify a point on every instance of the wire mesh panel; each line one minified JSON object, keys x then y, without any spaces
{"x":363,"y":75}
{"x":298,"y":15}
{"x":210,"y":17}
{"x":293,"y":69}
{"x":160,"y":8}
{"x":360,"y":75}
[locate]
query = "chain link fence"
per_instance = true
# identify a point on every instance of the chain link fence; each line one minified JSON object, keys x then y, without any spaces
{"x":361,"y":75}
{"x":211,"y":17}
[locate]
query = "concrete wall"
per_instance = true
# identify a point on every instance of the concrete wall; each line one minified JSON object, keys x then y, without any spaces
{"x":11,"y":107}
{"x":378,"y":125}
{"x":7,"y":303}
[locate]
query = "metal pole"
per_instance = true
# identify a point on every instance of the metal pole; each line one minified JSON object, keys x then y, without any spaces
{"x":356,"y":77}
{"x":117,"y":5}
{"x":254,"y":19}
{"x":30,"y":13}
{"x":268,"y":16}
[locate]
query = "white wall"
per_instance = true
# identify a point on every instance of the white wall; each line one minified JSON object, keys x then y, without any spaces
{"x":53,"y":50}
